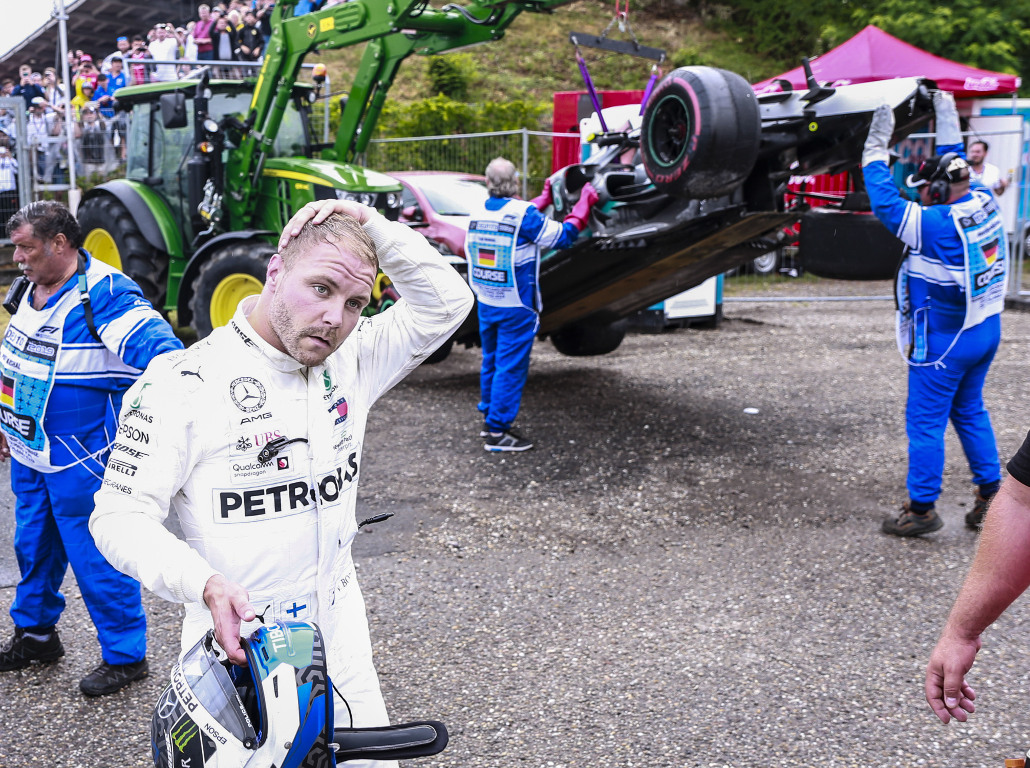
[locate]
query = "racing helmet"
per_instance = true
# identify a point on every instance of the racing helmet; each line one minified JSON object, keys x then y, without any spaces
{"x":276,"y":711}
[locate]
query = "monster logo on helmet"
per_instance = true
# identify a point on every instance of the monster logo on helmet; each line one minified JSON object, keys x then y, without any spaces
{"x":275,"y":711}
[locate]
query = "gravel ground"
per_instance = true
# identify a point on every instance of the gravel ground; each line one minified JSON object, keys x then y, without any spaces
{"x":664,"y":581}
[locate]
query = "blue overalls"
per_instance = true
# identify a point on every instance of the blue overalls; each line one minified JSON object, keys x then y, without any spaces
{"x":951,"y":293}
{"x":503,"y":245}
{"x":60,"y":394}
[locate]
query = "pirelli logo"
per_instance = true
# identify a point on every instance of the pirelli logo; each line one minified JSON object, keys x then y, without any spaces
{"x":124,"y":467}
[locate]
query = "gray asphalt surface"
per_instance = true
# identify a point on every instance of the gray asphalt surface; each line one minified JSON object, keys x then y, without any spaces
{"x":664,"y":581}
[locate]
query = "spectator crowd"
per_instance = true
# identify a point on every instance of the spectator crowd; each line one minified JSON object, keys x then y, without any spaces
{"x":231,"y":36}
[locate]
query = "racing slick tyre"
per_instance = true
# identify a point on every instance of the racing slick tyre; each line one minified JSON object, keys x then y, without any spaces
{"x":848,"y":245}
{"x":700,"y":132}
{"x":586,"y":338}
{"x":110,"y":234}
{"x":234,"y":271}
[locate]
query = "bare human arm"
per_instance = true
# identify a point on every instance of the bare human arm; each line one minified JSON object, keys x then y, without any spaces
{"x":1000,"y":573}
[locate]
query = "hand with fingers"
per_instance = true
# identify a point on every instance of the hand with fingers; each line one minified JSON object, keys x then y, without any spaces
{"x":877,"y":143}
{"x":230,"y":606}
{"x":947,"y":692}
{"x":320,"y":210}
{"x":545,"y":198}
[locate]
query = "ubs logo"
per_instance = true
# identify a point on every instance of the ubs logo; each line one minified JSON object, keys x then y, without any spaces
{"x":248,"y":393}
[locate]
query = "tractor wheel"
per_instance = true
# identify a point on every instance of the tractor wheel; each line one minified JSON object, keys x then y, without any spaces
{"x":586,"y":338}
{"x":110,"y":234}
{"x":700,"y":132}
{"x":233,"y":272}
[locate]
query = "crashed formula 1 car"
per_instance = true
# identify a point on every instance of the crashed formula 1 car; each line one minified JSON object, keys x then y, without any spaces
{"x":697,"y":189}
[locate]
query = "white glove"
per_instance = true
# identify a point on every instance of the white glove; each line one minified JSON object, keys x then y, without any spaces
{"x":879,"y":137}
{"x":946,"y":116}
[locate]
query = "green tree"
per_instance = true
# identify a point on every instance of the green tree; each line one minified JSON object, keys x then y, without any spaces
{"x":784,"y":30}
{"x":993,"y":36}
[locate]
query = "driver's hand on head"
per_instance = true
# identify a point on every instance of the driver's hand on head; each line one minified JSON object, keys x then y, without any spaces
{"x":230,"y":606}
{"x":319,"y":211}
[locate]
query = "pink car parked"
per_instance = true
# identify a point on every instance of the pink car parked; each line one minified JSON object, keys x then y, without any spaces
{"x":439,"y":203}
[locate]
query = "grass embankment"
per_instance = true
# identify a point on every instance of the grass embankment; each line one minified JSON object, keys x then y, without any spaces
{"x":535,"y":57}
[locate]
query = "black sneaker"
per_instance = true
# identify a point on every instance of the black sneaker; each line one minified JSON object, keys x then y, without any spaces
{"x":975,"y":517}
{"x":21,"y":650}
{"x":910,"y":523}
{"x":506,"y":441}
{"x":111,"y":678}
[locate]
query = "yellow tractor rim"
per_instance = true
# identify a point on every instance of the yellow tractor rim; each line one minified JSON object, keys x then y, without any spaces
{"x":228,"y":294}
{"x":102,"y":246}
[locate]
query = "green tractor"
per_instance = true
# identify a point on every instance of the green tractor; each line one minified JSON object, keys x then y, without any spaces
{"x":215,"y":168}
{"x":164,"y":224}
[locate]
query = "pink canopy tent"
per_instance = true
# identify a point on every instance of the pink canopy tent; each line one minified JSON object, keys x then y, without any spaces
{"x":872,"y":54}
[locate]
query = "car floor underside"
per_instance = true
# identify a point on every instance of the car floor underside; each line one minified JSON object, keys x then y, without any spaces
{"x":609,"y":277}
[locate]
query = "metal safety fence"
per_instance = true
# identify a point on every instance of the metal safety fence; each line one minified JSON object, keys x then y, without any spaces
{"x":40,"y":158}
{"x":37,"y":167}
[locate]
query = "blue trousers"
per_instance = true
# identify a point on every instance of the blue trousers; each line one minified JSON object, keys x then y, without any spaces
{"x":955,"y":392}
{"x":52,"y":531}
{"x":507,"y":336}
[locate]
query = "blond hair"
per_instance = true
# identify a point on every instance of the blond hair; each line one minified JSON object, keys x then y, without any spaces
{"x":338,"y":229}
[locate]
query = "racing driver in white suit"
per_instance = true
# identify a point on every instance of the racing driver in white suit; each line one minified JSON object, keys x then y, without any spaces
{"x":253,"y":438}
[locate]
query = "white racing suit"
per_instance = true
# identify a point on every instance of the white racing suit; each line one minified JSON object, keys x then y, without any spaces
{"x":189,"y":440}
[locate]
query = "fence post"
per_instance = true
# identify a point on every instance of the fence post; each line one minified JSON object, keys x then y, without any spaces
{"x":525,"y":163}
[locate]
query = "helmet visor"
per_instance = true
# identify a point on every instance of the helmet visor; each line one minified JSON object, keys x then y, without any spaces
{"x":210,"y":683}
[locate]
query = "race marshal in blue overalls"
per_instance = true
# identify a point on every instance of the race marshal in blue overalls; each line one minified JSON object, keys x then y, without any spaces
{"x":503,"y":245}
{"x":950,"y":292}
{"x":80,"y":334}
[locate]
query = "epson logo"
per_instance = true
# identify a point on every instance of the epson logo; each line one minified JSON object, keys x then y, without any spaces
{"x":214,"y":733}
{"x":134,"y":434}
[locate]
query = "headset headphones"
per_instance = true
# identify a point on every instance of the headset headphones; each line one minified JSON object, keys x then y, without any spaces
{"x":941,"y":180}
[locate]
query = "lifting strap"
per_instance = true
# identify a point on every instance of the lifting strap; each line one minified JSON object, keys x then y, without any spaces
{"x":633,"y":48}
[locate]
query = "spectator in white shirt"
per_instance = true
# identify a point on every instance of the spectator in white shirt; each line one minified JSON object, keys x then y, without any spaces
{"x":986,"y":173}
{"x":164,"y":47}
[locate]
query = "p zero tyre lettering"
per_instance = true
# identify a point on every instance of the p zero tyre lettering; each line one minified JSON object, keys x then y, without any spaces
{"x":700,"y":133}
